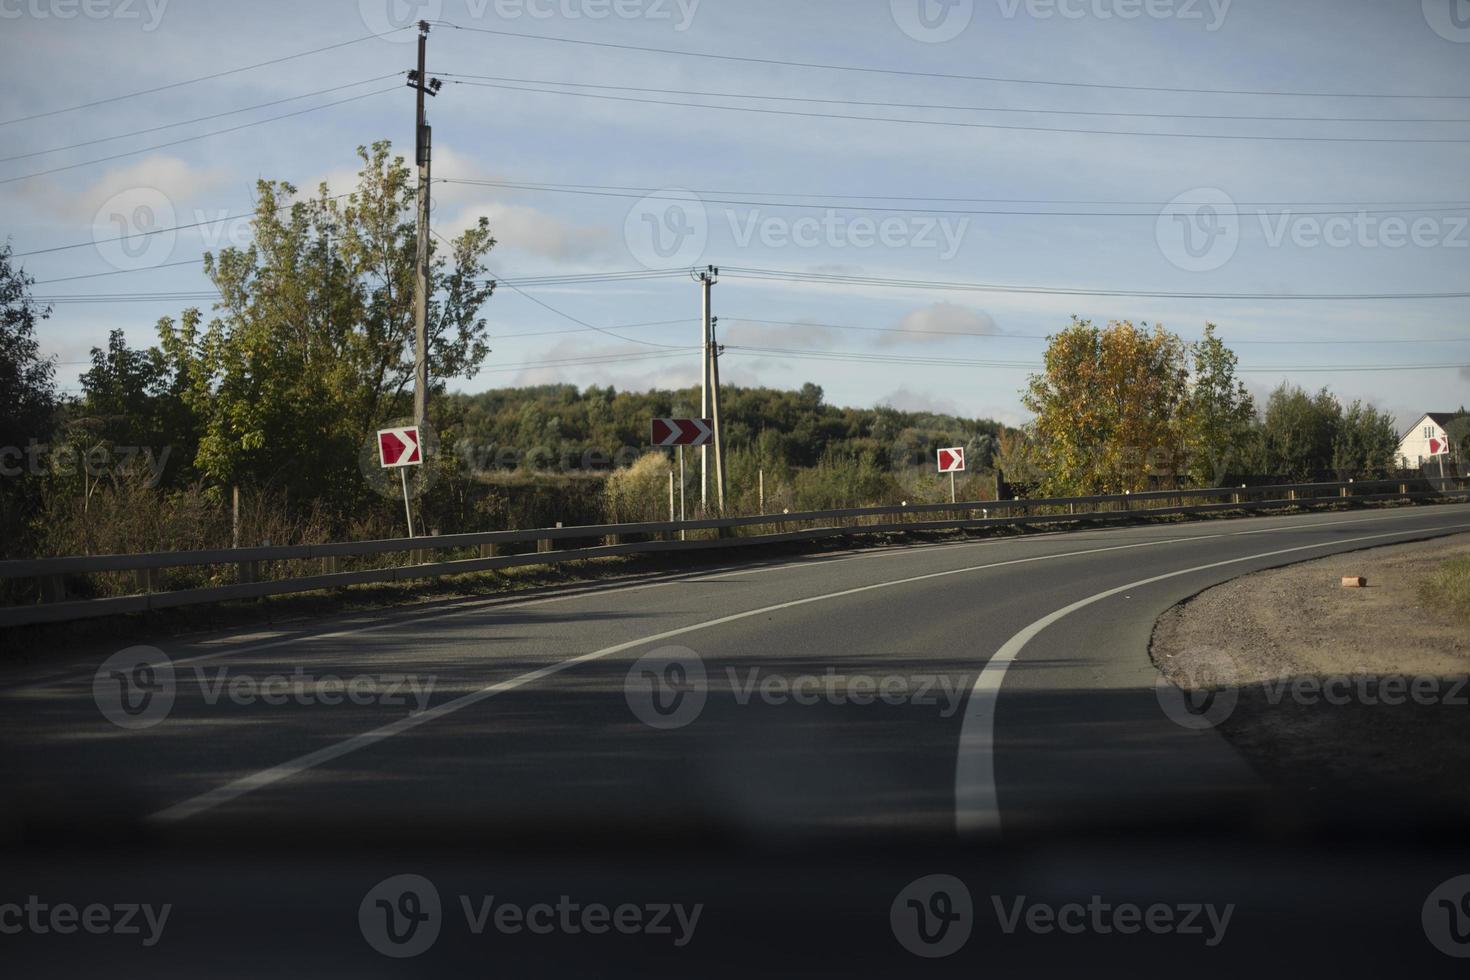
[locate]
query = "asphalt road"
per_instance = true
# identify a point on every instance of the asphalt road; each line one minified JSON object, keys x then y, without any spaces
{"x":865,"y":762}
{"x":999,"y":685}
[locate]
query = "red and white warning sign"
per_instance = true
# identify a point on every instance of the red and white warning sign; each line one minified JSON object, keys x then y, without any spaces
{"x":952,"y":460}
{"x":681,"y":432}
{"x":1439,"y":447}
{"x":399,"y":447}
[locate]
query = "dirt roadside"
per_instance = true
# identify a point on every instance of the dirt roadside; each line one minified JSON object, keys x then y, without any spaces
{"x":1354,"y":695}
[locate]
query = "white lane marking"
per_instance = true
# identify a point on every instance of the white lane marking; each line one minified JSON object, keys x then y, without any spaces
{"x":246,"y":784}
{"x":977,"y":808}
{"x":496,"y":602}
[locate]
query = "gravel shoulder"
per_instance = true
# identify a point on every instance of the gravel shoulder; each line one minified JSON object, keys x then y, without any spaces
{"x":1276,"y":638}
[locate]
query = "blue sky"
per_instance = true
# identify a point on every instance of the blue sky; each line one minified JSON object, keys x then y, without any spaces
{"x":1275,"y":218}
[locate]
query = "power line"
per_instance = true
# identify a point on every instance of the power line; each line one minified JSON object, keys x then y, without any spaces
{"x":162,"y":231}
{"x":868,"y":69}
{"x":955,"y":108}
{"x":563,"y":314}
{"x":120,"y":272}
{"x":200,"y":136}
{"x":848,"y":356}
{"x":587,"y":361}
{"x":201,"y":78}
{"x":834,"y":279}
{"x":950,"y":123}
{"x":645,"y":191}
{"x":569,"y":189}
{"x":1024,"y":336}
{"x":187,"y":122}
{"x":620,"y":326}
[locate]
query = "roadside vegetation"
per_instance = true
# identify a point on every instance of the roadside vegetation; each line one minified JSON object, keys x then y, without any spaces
{"x":253,"y":422}
{"x":1448,"y":589}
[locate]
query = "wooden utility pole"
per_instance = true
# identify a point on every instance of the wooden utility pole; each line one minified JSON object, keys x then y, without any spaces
{"x":714,"y":404}
{"x":709,"y":399}
{"x":420,"y":82}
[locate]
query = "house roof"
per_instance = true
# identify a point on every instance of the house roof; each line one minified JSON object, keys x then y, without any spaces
{"x":1441,"y":419}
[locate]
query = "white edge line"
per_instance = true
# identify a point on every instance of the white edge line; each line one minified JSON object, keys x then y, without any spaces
{"x":977,"y":807}
{"x":240,"y":787}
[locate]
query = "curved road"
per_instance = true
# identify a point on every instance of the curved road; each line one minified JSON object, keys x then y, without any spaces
{"x":918,"y":690}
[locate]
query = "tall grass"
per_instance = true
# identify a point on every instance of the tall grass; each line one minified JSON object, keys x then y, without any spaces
{"x":1449,"y":587}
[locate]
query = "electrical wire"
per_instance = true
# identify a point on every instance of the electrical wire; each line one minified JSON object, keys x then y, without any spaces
{"x":201,"y":78}
{"x":950,"y":123}
{"x":868,"y":69}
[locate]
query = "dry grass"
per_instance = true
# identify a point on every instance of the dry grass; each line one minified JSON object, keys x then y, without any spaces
{"x":1449,"y":587}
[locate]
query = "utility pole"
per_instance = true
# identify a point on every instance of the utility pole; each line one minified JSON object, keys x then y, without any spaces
{"x":705,"y":280}
{"x":420,"y":82}
{"x":714,"y":404}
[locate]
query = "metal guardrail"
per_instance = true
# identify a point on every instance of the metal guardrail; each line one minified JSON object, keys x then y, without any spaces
{"x":661,"y":537}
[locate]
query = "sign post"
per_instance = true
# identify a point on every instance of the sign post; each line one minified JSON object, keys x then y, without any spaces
{"x":1440,"y":448}
{"x":399,"y":449}
{"x":952,"y":461}
{"x":680,"y":432}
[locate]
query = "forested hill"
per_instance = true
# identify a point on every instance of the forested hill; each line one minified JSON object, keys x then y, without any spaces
{"x":779,"y":429}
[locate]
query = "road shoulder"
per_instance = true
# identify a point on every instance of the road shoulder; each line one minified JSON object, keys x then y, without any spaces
{"x":1339,"y":692}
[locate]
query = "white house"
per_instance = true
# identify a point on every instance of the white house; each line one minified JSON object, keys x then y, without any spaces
{"x":1414,"y":447}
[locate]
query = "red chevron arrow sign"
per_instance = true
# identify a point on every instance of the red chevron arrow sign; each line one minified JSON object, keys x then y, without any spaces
{"x":681,"y":432}
{"x":952,"y":460}
{"x":399,"y":447}
{"x":1439,"y":447}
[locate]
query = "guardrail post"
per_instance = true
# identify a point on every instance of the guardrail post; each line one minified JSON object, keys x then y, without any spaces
{"x":150,"y":580}
{"x":249,"y":572}
{"x":491,"y":550}
{"x":331,"y":565}
{"x":546,"y":545}
{"x":53,"y":588}
{"x":612,"y":540}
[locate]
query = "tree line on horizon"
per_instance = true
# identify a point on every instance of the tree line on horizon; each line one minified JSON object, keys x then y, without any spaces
{"x":277,"y":392}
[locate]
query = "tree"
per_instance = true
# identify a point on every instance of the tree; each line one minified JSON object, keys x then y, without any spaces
{"x":27,"y":388}
{"x":1298,"y":433}
{"x":1365,"y":445}
{"x":27,"y":404}
{"x":1108,"y":407}
{"x":311,"y":347}
{"x":1218,"y":414}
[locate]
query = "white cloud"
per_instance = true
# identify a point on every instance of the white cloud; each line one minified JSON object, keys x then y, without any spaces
{"x":929,"y":323}
{"x":905,"y":399}
{"x":179,"y":181}
{"x":524,"y":229}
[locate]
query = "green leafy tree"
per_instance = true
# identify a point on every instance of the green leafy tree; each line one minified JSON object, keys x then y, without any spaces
{"x":1365,"y":445}
{"x":28,"y":404}
{"x":27,"y":387}
{"x":311,"y":345}
{"x":1299,"y":433}
{"x":1219,"y":413}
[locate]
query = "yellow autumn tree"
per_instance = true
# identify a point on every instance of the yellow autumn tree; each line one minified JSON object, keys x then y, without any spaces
{"x":1108,"y":407}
